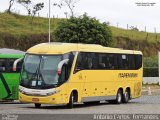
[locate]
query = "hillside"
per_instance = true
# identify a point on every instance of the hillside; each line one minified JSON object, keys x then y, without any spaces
{"x":18,"y":29}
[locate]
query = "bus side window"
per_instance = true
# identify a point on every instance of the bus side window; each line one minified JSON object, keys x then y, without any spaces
{"x":79,"y":63}
{"x":125,"y":62}
{"x":138,"y":61}
{"x":10,"y":65}
{"x":66,"y":71}
{"x":131,"y":62}
{"x":3,"y":65}
{"x":119,"y":62}
{"x":19,"y":66}
{"x":94,"y":60}
{"x":112,"y":62}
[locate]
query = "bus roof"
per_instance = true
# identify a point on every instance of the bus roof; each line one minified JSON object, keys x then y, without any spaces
{"x":11,"y":53}
{"x":61,"y":48}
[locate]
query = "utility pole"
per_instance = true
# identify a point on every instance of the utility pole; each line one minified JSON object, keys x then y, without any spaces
{"x":159,"y":65}
{"x":49,"y":37}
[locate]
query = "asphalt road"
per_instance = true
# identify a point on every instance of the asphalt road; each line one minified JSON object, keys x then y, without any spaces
{"x":142,"y":105}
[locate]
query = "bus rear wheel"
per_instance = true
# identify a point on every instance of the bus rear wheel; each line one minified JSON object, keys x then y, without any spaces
{"x":37,"y":105}
{"x":118,"y":99}
{"x":126,"y":96}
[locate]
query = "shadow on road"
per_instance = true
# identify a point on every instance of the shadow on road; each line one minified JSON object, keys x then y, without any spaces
{"x":76,"y":106}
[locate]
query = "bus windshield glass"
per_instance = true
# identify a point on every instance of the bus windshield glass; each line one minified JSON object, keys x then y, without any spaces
{"x":40,"y":71}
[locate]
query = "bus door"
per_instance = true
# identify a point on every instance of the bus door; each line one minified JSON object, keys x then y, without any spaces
{"x":80,"y":73}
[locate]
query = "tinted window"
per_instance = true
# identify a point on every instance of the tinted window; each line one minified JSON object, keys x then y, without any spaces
{"x":82,"y":61}
{"x":6,"y":65}
{"x":138,"y":61}
{"x":3,"y":65}
{"x":125,"y":62}
{"x":131,"y":62}
{"x":108,"y":61}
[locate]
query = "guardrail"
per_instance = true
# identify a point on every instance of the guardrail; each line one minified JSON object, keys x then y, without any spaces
{"x":150,"y":80}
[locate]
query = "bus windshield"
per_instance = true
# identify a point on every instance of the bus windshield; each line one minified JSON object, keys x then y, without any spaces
{"x":40,"y":71}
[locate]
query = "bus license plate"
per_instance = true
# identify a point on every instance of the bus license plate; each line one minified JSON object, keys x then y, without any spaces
{"x":35,"y":99}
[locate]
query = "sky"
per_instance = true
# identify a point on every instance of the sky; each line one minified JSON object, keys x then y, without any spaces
{"x":116,"y":12}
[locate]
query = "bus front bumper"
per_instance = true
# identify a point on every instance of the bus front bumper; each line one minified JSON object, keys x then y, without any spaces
{"x":53,"y":99}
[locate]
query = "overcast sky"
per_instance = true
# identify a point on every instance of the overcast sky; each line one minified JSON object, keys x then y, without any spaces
{"x":121,"y":12}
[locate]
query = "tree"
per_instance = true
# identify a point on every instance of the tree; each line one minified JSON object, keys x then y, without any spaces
{"x":83,"y":30}
{"x":69,"y":3}
{"x":11,"y":2}
{"x":134,"y":28}
{"x":26,"y":4}
{"x":31,"y":9}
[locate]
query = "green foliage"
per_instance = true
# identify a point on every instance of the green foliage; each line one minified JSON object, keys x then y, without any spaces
{"x":151,"y":61}
{"x":150,"y":72}
{"x":83,"y":30}
{"x":22,"y":41}
{"x":150,"y":67}
{"x":134,"y":35}
{"x":18,"y":26}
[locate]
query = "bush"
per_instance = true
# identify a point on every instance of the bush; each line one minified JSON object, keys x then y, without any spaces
{"x":22,"y":41}
{"x":83,"y":30}
{"x":150,"y":72}
{"x":150,"y":67}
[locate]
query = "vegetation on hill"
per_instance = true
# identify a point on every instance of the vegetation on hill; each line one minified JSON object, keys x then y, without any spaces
{"x":83,"y":29}
{"x":18,"y":28}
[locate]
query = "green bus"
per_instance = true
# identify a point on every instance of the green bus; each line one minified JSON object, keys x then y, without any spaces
{"x":9,"y":75}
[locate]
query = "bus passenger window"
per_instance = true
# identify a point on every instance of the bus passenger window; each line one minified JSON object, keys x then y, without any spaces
{"x":119,"y":62}
{"x":19,"y":66}
{"x":84,"y":61}
{"x":79,"y":62}
{"x":138,"y":61}
{"x":125,"y":62}
{"x":112,"y":62}
{"x":102,"y":61}
{"x":131,"y":62}
{"x":10,"y":65}
{"x":3,"y":65}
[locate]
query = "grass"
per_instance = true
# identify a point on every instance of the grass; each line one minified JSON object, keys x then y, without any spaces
{"x":18,"y":24}
{"x":135,"y":35}
{"x":18,"y":28}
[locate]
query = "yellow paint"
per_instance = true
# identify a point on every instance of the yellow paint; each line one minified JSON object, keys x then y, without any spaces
{"x":87,"y":82}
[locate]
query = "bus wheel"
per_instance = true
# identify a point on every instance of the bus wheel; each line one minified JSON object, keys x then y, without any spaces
{"x":119,"y":97}
{"x":37,"y":105}
{"x":126,"y":96}
{"x":71,"y":101}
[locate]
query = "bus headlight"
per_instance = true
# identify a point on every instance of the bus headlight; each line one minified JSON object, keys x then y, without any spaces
{"x":21,"y":89}
{"x":38,"y":92}
{"x":54,"y":92}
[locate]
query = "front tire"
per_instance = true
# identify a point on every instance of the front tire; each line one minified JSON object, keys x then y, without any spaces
{"x":37,"y":105}
{"x":71,"y":101}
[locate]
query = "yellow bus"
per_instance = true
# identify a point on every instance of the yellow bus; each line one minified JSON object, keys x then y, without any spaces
{"x":67,"y":73}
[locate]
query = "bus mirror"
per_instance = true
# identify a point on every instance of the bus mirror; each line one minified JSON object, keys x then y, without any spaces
{"x":60,"y":65}
{"x":15,"y":63}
